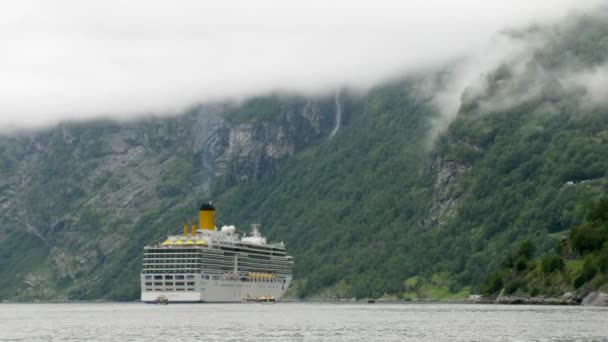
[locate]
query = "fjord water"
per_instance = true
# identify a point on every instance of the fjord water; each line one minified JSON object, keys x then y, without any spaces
{"x":300,"y":322}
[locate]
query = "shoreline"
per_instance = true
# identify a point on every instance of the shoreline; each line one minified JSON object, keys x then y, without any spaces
{"x":594,"y":299}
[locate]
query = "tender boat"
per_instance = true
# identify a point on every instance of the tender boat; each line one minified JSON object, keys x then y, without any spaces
{"x":265,"y":299}
{"x":162,"y":300}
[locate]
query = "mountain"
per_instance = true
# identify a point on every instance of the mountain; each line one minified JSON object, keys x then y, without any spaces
{"x":368,"y":192}
{"x":79,"y":201}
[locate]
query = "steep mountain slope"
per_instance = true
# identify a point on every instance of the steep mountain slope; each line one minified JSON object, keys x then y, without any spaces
{"x":535,"y":146}
{"x":376,"y":208}
{"x":78,"y":202}
{"x":349,"y":208}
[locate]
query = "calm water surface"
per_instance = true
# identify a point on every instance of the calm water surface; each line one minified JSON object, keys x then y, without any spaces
{"x":300,"y":322}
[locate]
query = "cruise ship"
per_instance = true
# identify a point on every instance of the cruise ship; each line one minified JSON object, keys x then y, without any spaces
{"x":210,"y":265}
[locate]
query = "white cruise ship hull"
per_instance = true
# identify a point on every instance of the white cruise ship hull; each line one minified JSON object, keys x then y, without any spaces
{"x":219,"y":291}
{"x":214,"y":266}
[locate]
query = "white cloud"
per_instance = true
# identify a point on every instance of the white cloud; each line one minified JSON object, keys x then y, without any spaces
{"x":81,"y":59}
{"x":468,"y":74}
{"x":594,"y":82}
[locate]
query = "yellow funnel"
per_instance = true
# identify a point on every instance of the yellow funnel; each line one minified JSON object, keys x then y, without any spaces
{"x":193,"y":229}
{"x":185,"y":229}
{"x":206,"y":217}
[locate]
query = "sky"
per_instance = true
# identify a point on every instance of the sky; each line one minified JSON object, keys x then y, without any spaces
{"x":76,"y":60}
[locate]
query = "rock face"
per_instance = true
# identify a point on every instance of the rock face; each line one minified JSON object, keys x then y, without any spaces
{"x":446,"y":191}
{"x":536,"y":300}
{"x":592,"y":299}
{"x":596,"y":299}
{"x":566,"y":299}
{"x":247,"y":150}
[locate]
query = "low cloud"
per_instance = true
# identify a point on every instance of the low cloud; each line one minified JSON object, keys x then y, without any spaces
{"x":77,"y":60}
{"x":518,"y":66}
{"x":467,"y":76}
{"x":594,"y":82}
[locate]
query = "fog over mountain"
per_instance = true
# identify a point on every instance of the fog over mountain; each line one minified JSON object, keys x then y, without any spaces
{"x":74,"y":60}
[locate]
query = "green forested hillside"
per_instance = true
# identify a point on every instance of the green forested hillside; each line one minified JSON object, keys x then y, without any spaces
{"x":356,"y":210}
{"x":352,"y":210}
{"x":349,"y":208}
{"x":577,"y":263}
{"x":377,"y":208}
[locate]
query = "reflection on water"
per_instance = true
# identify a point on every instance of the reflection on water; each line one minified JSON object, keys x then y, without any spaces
{"x":300,"y":322}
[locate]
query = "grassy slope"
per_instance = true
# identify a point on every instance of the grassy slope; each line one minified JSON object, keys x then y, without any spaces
{"x":20,"y":255}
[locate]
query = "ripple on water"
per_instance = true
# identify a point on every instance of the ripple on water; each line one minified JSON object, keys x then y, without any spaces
{"x":300,"y":322}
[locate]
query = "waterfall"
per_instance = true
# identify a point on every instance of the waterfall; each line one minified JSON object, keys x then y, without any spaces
{"x":207,"y":165}
{"x":338,"y":115}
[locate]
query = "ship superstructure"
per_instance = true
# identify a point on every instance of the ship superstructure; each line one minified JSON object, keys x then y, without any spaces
{"x":205,"y":264}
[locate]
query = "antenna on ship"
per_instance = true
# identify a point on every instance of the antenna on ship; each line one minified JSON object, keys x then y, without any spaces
{"x":255,"y":229}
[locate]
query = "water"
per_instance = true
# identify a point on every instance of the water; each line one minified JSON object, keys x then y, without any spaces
{"x":338,"y":115}
{"x":300,"y":322}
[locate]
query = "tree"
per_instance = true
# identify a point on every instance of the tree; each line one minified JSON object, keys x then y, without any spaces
{"x":526,"y":249}
{"x":552,"y":263}
{"x":492,"y":284}
{"x":589,"y":271}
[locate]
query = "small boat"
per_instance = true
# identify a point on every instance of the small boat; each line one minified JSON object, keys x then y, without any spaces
{"x":265,"y":299}
{"x":162,"y":300}
{"x":268,"y":299}
{"x":371,"y":301}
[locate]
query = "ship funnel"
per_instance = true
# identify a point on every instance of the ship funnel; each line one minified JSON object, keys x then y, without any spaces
{"x":206,"y":217}
{"x":185,"y":229}
{"x":193,"y":229}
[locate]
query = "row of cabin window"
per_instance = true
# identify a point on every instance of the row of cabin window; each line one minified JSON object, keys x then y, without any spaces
{"x":171,"y":260}
{"x":169,"y":277}
{"x":169,"y":271}
{"x":166,"y":290}
{"x":164,"y":253}
{"x":255,"y":280}
{"x":167,"y":283}
{"x":203,"y":276}
{"x":159,"y":265}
